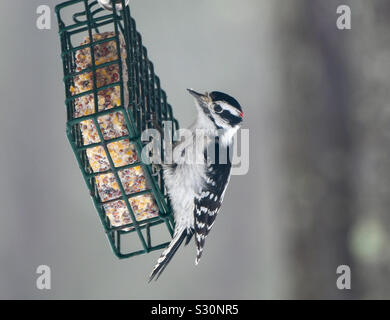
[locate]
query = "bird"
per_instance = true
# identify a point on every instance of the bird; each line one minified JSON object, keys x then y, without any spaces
{"x":196,"y":189}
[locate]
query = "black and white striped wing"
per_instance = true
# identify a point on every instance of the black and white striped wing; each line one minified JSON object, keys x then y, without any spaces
{"x":208,"y":203}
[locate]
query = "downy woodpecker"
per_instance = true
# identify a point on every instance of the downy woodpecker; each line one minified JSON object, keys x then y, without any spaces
{"x":196,"y":189}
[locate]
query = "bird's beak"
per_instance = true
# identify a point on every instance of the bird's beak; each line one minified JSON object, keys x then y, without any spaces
{"x":198,"y":96}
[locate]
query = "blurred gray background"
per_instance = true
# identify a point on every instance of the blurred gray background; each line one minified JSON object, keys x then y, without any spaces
{"x":318,"y":191}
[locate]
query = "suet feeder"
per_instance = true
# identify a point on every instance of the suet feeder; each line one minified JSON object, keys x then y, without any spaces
{"x":134,"y":99}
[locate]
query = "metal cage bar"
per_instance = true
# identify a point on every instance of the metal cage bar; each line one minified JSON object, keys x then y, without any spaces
{"x":147,"y":102}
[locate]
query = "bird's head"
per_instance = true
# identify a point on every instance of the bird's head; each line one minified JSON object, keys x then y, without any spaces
{"x":219,"y":110}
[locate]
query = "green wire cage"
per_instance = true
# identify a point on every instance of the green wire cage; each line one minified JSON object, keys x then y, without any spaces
{"x":147,"y":107}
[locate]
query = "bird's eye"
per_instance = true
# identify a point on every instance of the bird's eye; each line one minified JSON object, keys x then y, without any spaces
{"x":217,"y":108}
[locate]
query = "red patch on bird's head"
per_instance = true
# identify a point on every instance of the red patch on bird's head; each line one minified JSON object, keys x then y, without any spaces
{"x":242,"y":115}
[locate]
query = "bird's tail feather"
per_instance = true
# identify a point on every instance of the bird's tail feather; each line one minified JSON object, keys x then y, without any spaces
{"x":167,"y":254}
